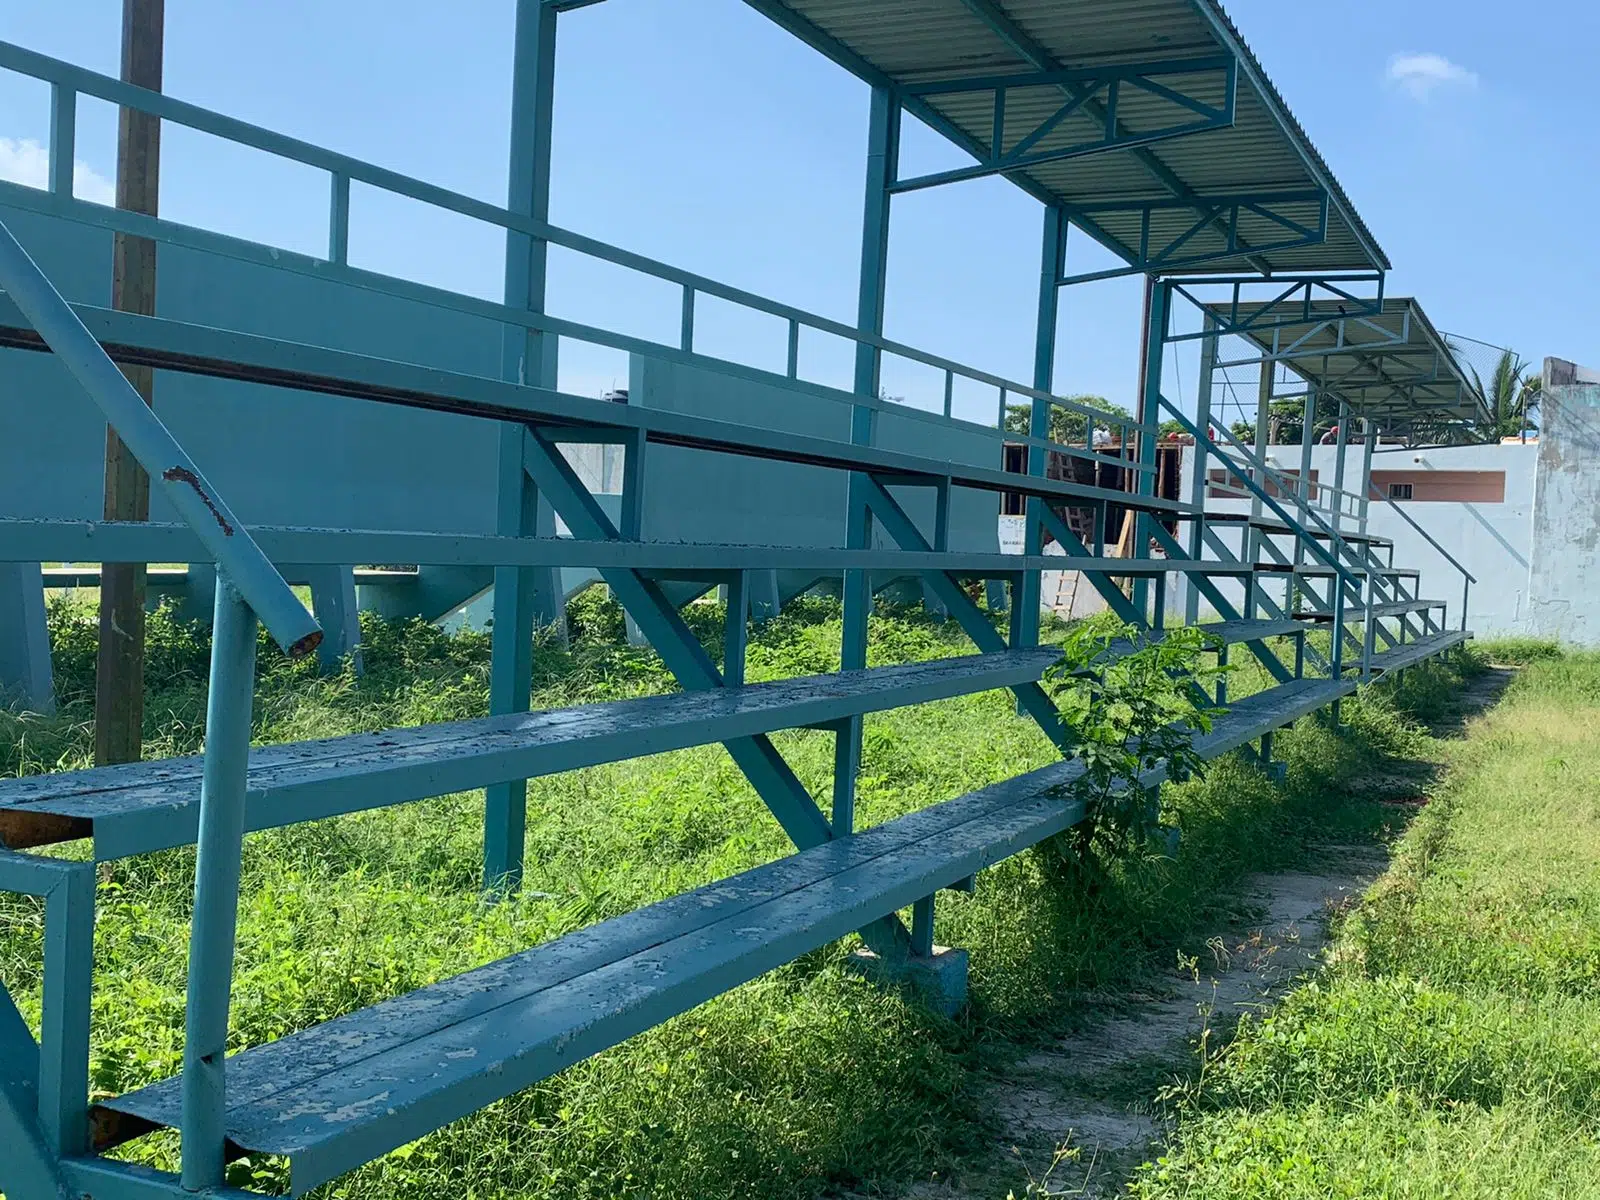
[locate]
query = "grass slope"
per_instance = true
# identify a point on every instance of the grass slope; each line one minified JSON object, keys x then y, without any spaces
{"x":804,"y":1081}
{"x":1454,"y":1049}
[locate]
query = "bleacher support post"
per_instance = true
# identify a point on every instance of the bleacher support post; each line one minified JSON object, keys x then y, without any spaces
{"x":1369,"y":439}
{"x":25,"y":638}
{"x":523,"y":597}
{"x":1263,"y":439}
{"x":1052,"y":266}
{"x":883,"y":165}
{"x":1340,"y":453}
{"x":1158,"y":303}
{"x":216,"y":886}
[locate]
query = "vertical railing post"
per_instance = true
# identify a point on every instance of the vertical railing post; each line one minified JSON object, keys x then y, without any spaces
{"x":1202,"y":461}
{"x":883,"y":164}
{"x":216,"y":885}
{"x":523,"y":597}
{"x":338,"y":217}
{"x":64,"y":1023}
{"x":736,"y":629}
{"x":1341,"y":446}
{"x":1052,"y":263}
{"x":1252,"y":535}
{"x":63,"y":138}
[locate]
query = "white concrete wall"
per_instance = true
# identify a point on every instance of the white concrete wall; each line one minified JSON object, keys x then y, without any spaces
{"x":1493,"y":541}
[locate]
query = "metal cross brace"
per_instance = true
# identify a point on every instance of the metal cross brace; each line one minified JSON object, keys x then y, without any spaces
{"x":973,"y":622}
{"x":661,"y":623}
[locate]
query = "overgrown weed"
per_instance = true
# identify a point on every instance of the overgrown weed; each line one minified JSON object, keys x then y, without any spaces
{"x":805,"y":1080}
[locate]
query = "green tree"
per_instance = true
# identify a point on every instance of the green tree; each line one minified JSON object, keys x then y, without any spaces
{"x":1513,"y":395}
{"x":1067,"y":426}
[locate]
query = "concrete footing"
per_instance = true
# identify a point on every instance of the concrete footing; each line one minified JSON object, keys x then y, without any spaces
{"x":940,"y":978}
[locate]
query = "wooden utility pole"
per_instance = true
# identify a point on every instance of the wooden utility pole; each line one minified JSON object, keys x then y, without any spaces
{"x":119,"y":678}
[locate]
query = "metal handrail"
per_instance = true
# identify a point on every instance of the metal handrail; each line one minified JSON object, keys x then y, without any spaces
{"x":1261,"y":494}
{"x":68,"y":80}
{"x":171,"y":470}
{"x":1428,"y":537}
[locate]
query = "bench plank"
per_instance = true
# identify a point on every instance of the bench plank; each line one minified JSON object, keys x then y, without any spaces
{"x":151,"y":806}
{"x":355,"y":1087}
{"x":816,"y":893}
{"x":1410,"y":653}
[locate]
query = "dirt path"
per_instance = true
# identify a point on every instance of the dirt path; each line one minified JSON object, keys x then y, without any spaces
{"x":1091,"y":1092}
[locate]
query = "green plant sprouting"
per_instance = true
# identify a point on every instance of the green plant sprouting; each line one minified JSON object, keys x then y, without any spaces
{"x":1132,"y":703}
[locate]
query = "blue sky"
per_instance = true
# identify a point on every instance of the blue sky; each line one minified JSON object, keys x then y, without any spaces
{"x":696,"y":132}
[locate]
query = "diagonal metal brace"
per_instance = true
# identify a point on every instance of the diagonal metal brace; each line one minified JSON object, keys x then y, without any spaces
{"x":1225,"y":609}
{"x":659,"y":620}
{"x":974,"y":624}
{"x":661,"y":623}
{"x":1099,"y":580}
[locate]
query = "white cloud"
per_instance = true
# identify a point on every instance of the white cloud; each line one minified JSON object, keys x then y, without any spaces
{"x":26,"y":161}
{"x":1420,"y":75}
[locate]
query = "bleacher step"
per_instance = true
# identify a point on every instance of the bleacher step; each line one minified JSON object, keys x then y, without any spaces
{"x":1408,"y":654}
{"x":338,"y":1094}
{"x":341,"y":1093}
{"x":141,"y":807}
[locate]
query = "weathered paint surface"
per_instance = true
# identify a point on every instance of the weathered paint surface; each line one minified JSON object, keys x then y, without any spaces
{"x":153,"y":805}
{"x":1564,"y":601}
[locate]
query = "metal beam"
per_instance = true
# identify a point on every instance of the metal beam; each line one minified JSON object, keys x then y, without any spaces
{"x":1031,"y":51}
{"x":522,"y":597}
{"x":1052,"y":258}
{"x":1211,"y":209}
{"x":1081,"y":87}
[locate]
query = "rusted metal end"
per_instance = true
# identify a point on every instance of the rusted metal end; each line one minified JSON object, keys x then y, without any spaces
{"x":21,"y":829}
{"x":306,"y":644}
{"x":108,"y":1128}
{"x":184,"y":475}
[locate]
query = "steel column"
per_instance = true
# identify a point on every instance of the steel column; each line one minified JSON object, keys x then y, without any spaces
{"x":1369,"y":439}
{"x":1158,"y":303}
{"x":216,"y":885}
{"x":883,"y":164}
{"x":522,"y":597}
{"x":1202,"y":461}
{"x":1308,"y":420}
{"x":1052,"y":264}
{"x":736,"y":627}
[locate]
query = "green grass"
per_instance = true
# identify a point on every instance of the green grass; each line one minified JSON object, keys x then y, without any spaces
{"x":1454,"y":1048}
{"x":805,"y":1080}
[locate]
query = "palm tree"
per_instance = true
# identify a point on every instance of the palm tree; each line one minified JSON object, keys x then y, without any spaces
{"x":1513,"y":395}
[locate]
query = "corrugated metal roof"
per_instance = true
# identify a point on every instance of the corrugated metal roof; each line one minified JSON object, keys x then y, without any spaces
{"x":909,"y":42}
{"x":1394,"y":362}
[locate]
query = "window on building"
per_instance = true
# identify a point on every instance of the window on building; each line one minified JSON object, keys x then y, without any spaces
{"x":1431,"y":485}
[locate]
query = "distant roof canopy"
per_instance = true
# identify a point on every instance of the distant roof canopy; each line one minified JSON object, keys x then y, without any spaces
{"x":1391,"y":365}
{"x":1149,"y":121}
